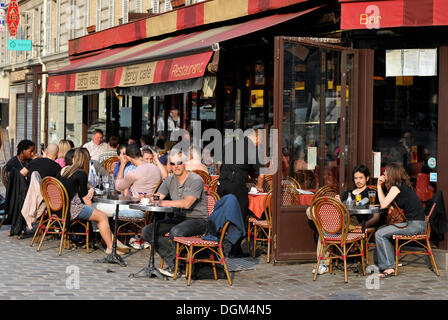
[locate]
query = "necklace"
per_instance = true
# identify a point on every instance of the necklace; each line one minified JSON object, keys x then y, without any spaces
{"x":20,"y":162}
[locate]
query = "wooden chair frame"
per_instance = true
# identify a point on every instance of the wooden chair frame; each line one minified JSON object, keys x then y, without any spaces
{"x":421,"y":239}
{"x":204,"y":175}
{"x":336,"y":240}
{"x":214,"y":248}
{"x":262,"y":229}
{"x":213,"y":185}
{"x":109,"y":164}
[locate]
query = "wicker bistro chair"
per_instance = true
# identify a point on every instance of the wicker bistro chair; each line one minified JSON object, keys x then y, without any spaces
{"x":195,"y":245}
{"x":212,"y":198}
{"x":331,"y":218}
{"x":213,"y":185}
{"x":421,"y":239}
{"x":262,"y":229}
{"x":109,"y":164}
{"x":204,"y":175}
{"x":56,"y":199}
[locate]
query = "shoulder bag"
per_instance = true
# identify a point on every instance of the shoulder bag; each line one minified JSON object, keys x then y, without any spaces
{"x":396,"y":215}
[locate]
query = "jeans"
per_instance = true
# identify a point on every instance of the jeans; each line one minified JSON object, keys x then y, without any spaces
{"x":163,"y":246}
{"x":385,"y":250}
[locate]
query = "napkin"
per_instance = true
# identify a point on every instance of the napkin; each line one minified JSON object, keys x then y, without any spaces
{"x":253,"y":190}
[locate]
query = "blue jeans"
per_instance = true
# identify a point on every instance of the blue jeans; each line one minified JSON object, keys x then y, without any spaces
{"x":163,"y":246}
{"x":384,"y":248}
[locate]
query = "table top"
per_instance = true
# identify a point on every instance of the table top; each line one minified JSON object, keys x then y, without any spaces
{"x":365,"y":209}
{"x":142,"y":207}
{"x":114,"y":198}
{"x":257,"y":194}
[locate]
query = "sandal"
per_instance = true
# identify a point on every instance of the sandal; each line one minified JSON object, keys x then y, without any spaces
{"x":384,"y":275}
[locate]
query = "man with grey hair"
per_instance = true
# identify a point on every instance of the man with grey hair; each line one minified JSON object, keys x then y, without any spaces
{"x":186,"y":190}
{"x":46,"y":166}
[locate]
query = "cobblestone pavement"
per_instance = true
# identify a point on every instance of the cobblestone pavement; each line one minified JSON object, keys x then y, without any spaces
{"x":27,"y":274}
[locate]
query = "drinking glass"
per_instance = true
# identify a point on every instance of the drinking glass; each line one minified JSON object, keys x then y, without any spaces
{"x":372,"y":196}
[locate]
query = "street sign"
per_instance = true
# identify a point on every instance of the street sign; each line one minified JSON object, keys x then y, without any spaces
{"x":19,"y":45}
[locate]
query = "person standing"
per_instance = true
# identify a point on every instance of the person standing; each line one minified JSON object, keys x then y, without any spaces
{"x":399,"y":189}
{"x":96,"y":146}
{"x":25,"y":153}
{"x":233,"y":178}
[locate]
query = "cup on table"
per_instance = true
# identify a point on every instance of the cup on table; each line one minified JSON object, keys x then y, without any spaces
{"x":144,"y":201}
{"x":156,"y":199}
{"x":372,"y":196}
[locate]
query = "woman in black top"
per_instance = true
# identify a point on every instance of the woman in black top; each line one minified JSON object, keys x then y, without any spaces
{"x":400,"y":190}
{"x":75,"y":179}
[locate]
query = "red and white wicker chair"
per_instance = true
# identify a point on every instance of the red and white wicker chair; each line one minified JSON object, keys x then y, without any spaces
{"x":195,"y":245}
{"x":421,"y":239}
{"x":56,"y":199}
{"x":262,"y":229}
{"x":332,"y":218}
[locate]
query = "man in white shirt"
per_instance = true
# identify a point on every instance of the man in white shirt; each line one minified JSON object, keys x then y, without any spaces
{"x":96,"y":147}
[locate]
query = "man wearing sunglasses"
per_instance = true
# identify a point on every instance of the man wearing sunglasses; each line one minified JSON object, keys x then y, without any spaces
{"x":186,"y":190}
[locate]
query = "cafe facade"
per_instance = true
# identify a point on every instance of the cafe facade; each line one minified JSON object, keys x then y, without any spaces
{"x":285,"y":65}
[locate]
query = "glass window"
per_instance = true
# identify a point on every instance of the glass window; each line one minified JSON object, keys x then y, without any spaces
{"x":306,"y":134}
{"x":405,"y":120}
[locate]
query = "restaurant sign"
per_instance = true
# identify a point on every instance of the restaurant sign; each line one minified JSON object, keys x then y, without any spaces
{"x":88,"y":80}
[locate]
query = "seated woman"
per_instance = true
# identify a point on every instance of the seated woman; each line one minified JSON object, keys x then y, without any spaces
{"x":361,"y":175}
{"x":400,"y":190}
{"x":74,"y":178}
{"x":64,"y":147}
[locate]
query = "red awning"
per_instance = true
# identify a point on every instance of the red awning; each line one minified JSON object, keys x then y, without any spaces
{"x":393,"y":13}
{"x":171,"y":59}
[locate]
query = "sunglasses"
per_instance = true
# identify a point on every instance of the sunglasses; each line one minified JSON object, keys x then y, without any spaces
{"x":176,"y":163}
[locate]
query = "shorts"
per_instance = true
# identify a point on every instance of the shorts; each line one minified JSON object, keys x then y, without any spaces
{"x":85,"y":213}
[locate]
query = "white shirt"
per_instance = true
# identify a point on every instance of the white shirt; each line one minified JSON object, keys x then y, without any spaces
{"x":95,"y":150}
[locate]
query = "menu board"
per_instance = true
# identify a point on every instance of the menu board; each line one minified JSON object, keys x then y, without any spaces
{"x":411,"y":62}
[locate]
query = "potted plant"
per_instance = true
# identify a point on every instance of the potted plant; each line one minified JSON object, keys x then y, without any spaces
{"x":177,"y":3}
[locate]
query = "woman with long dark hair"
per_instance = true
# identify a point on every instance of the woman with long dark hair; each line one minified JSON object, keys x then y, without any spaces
{"x":399,"y":189}
{"x":75,"y":178}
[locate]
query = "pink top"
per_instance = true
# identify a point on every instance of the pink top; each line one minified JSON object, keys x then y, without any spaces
{"x":61,"y":162}
{"x":142,"y":179}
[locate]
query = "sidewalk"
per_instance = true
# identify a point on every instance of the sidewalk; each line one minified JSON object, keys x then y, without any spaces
{"x":27,"y":274}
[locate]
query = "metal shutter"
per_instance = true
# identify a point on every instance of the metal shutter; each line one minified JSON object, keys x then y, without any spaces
{"x":20,"y":123}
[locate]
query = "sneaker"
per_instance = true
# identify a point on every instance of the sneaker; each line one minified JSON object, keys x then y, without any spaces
{"x":168,"y":272}
{"x":122,"y":247}
{"x":145,"y":245}
{"x":135,"y":243}
{"x":322,"y":269}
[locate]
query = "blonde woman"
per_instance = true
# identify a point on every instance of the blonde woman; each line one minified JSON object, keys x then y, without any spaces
{"x":64,"y":146}
{"x":75,"y":179}
{"x":399,"y":189}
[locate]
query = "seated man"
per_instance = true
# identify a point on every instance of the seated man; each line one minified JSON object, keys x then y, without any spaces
{"x":186,"y":190}
{"x":361,"y":175}
{"x":46,"y":166}
{"x":143,"y":179}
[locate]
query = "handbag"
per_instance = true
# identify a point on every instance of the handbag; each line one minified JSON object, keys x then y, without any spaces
{"x":396,"y":215}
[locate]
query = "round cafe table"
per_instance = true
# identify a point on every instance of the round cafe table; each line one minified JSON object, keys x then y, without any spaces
{"x":363,"y":212}
{"x":117,"y":200}
{"x":150,"y":270}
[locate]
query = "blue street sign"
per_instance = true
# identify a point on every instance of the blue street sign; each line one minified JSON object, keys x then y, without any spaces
{"x":19,"y":45}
